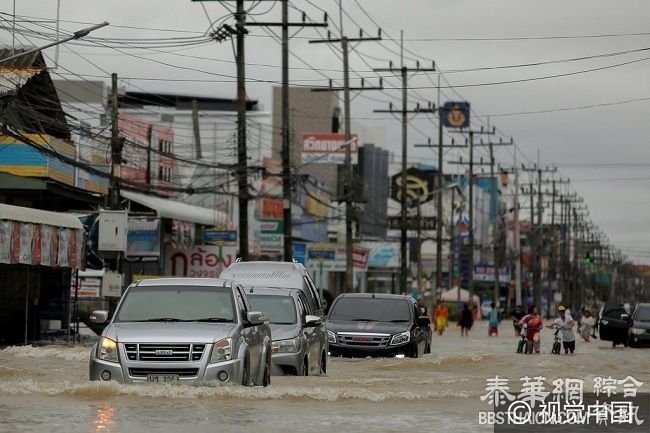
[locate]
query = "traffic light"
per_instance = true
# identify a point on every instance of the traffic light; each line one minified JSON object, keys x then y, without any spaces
{"x":588,"y":260}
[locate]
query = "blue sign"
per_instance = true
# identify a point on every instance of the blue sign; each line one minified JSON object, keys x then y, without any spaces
{"x":455,"y":114}
{"x":300,"y":252}
{"x":214,"y":237}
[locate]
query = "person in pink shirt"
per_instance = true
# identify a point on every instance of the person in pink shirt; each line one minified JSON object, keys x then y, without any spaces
{"x":534,"y":325}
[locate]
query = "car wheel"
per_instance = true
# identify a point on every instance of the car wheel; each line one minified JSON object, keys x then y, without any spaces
{"x":323,"y":364}
{"x":267,"y":371}
{"x":246,"y":376}
{"x":305,"y":368}
{"x":414,"y":351}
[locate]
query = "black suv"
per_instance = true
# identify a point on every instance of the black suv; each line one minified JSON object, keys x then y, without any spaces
{"x":366,"y":324}
{"x":613,"y":324}
{"x":640,"y":327}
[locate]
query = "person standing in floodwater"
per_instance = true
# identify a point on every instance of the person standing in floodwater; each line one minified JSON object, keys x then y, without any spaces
{"x":441,"y":317}
{"x":494,"y":319}
{"x":465,"y":320}
{"x":534,"y":325}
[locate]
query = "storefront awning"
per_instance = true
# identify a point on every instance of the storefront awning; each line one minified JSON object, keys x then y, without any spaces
{"x":37,"y":216}
{"x":172,"y":209}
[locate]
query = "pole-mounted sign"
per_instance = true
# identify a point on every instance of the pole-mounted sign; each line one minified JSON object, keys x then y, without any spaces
{"x":455,"y":114}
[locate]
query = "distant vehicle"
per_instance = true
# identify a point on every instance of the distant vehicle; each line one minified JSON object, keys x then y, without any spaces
{"x":613,"y":324}
{"x":183,"y":330}
{"x":278,"y":275}
{"x":299,"y":343}
{"x":365,"y":324}
{"x":639,"y":332}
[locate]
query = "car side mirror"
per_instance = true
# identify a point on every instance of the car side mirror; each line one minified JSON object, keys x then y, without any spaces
{"x":625,"y":317}
{"x":423,"y":321}
{"x":99,"y":316}
{"x":255,"y":318}
{"x":312,"y":321}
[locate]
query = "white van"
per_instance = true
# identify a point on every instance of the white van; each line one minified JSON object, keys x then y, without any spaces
{"x":276,"y":275}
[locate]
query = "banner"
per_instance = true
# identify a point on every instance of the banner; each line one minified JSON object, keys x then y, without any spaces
{"x":202,"y":261}
{"x":6,"y":228}
{"x":332,"y":257}
{"x":25,"y":248}
{"x":46,"y":245}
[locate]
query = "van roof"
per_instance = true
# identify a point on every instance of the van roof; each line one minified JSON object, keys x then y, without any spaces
{"x":211,"y":282}
{"x":268,"y":274}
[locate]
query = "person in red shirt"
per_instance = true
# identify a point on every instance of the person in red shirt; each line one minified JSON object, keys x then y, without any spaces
{"x":534,"y":325}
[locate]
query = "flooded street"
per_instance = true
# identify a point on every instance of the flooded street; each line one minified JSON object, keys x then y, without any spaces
{"x":47,"y":389}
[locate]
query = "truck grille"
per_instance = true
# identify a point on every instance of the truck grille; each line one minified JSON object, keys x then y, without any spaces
{"x":181,"y":372}
{"x":164,"y":352}
{"x":363,"y":339}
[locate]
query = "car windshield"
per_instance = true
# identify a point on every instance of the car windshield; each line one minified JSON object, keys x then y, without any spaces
{"x":371,"y":310}
{"x":643,"y":315}
{"x":177,"y":304}
{"x":280,"y":310}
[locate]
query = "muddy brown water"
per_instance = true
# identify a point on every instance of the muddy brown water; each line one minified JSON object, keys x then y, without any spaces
{"x":46,"y":389}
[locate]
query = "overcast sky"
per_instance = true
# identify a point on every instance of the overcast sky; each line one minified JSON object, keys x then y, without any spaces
{"x":602,"y":149}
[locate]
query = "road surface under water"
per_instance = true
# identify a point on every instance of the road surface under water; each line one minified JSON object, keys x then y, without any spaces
{"x":46,"y":389}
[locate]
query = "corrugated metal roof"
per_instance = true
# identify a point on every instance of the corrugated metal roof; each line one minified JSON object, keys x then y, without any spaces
{"x":32,"y":60}
{"x":38,"y":216}
{"x":177,"y":210}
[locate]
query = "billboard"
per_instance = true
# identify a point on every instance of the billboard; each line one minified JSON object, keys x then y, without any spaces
{"x":382,"y":254}
{"x":419,"y":186}
{"x":202,"y":261}
{"x":143,"y":237}
{"x":327,"y":147}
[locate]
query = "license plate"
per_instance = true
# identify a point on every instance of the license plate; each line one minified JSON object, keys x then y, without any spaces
{"x":162,"y":378}
{"x":361,"y":338}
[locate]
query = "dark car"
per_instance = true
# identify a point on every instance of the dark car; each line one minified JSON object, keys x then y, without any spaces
{"x":613,"y":324}
{"x":365,"y":324}
{"x":639,"y":332}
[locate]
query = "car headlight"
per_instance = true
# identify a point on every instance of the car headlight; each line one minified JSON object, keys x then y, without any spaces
{"x":331,"y":337}
{"x":401,"y":338}
{"x":107,"y":349}
{"x":637,"y":331}
{"x":292,"y":345}
{"x":221,"y":351}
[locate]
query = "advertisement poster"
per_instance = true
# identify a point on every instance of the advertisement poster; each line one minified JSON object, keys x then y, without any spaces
{"x":46,"y":245}
{"x":63,"y":247}
{"x":6,"y":227}
{"x":143,"y":237}
{"x":202,"y":261}
{"x":332,"y":257}
{"x":25,"y":248}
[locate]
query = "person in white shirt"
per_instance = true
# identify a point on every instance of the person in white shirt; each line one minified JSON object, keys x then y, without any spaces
{"x":565,"y":323}
{"x":587,"y":323}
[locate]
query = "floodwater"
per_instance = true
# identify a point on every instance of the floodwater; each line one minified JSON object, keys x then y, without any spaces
{"x":46,"y":389}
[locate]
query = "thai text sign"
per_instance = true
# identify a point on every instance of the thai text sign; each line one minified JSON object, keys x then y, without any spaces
{"x":202,"y":261}
{"x":327,"y":147}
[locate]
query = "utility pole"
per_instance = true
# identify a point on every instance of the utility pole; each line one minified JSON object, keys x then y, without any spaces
{"x":116,"y":149}
{"x":286,"y":130}
{"x":403,"y":72}
{"x":242,"y":157}
{"x":496,"y":233}
{"x":439,"y":186}
{"x":195,"y":129}
{"x":349,"y":178}
{"x":470,"y":182}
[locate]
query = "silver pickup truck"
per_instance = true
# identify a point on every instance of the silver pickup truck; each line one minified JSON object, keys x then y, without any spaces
{"x":183,"y":330}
